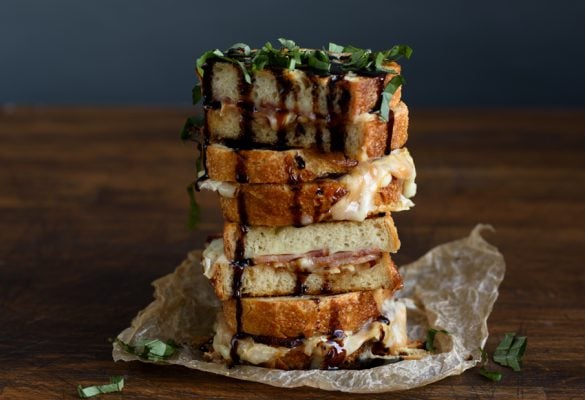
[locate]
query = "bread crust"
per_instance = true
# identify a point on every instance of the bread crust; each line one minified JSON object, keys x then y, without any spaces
{"x":271,"y":166}
{"x":311,"y":202}
{"x":233,"y":234}
{"x":286,"y":281}
{"x":292,"y":317}
{"x":357,"y":93}
{"x":365,"y":136}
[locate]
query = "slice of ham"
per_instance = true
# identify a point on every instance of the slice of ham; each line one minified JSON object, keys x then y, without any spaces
{"x":323,"y":258}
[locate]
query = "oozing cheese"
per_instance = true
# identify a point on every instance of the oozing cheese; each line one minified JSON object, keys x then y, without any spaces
{"x":225,"y":189}
{"x":393,"y":337}
{"x":365,"y":180}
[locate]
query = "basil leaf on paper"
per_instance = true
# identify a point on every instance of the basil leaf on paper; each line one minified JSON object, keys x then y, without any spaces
{"x":155,"y":349}
{"x":430,"y":342}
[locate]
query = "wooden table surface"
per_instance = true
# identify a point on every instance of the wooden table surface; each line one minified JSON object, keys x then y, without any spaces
{"x":93,"y":208}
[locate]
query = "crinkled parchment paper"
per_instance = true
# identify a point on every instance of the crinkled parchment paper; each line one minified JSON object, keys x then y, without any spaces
{"x":452,"y":287}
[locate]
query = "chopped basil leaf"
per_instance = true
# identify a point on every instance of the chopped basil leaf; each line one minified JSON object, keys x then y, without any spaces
{"x":239,"y":47}
{"x":245,"y":72}
{"x":152,"y":349}
{"x":319,"y":60}
{"x":196,"y":92}
{"x":510,"y":351}
{"x":191,"y":128}
{"x":430,"y":342}
{"x":287,"y":43}
{"x":335,"y":48}
{"x":116,"y":385}
{"x":398,"y":51}
{"x":387,"y":94}
{"x":203,"y":59}
{"x":493,"y":375}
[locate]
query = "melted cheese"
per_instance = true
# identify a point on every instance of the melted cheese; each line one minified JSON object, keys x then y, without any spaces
{"x":365,"y":180}
{"x":393,"y":336}
{"x":212,"y":255}
{"x":225,"y":189}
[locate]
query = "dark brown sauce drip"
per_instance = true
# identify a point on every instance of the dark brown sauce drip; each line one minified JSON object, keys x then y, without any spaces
{"x":300,"y":287}
{"x":315,"y":88}
{"x":379,"y":89}
{"x":296,"y":207}
{"x":318,"y":204}
{"x":285,"y":86}
{"x":337,"y":121}
{"x":278,"y":342}
{"x":238,"y":265}
{"x":206,"y":347}
{"x":300,"y":162}
{"x":383,"y":320}
{"x":379,"y":349}
{"x":335,"y":356}
{"x":241,"y":203}
{"x":390,"y":130}
{"x":326,"y":286}
{"x":241,"y":172}
{"x":247,"y":108}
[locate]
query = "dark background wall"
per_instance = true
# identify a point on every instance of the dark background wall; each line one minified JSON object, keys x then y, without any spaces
{"x":527,"y":52}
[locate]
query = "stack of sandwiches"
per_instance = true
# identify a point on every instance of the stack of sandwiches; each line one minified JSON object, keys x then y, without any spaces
{"x":305,"y":149}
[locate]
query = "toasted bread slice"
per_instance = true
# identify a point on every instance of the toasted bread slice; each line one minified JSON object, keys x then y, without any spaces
{"x":299,"y":91}
{"x":361,"y":137}
{"x":299,"y":165}
{"x":282,"y":205}
{"x":268,"y":166}
{"x":253,"y":242}
{"x":373,"y":187}
{"x":305,"y":316}
{"x":376,"y":341}
{"x":266,"y":279}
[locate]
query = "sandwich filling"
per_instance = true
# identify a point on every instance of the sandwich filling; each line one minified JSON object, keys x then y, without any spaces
{"x":385,"y":338}
{"x":311,"y":262}
{"x":361,"y":185}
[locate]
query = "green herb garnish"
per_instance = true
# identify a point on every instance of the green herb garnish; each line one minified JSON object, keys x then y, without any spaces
{"x":495,"y":376}
{"x":291,"y":56}
{"x":387,"y":94}
{"x":191,"y":128}
{"x":430,"y":342}
{"x":510,"y":351}
{"x":196,"y":93}
{"x":116,"y":385}
{"x":151,"y":349}
{"x":194,"y":211}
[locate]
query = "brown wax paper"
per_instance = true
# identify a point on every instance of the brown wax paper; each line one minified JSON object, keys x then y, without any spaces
{"x":453,"y":287}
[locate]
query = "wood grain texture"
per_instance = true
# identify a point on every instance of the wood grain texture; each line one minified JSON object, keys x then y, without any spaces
{"x":93,"y":208}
